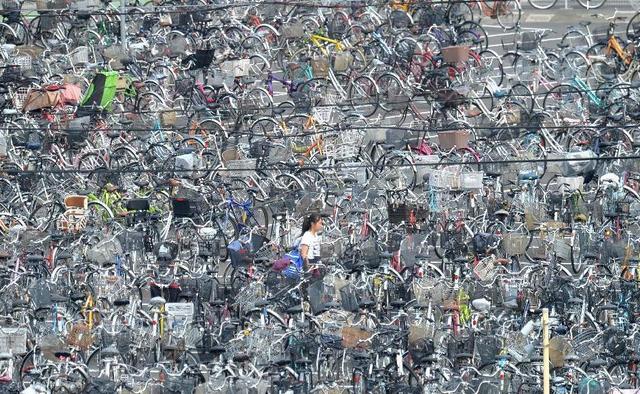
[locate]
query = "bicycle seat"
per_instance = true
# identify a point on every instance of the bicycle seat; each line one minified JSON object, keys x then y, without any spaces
{"x":18,"y":304}
{"x":460,"y":260}
{"x":157,"y":301}
{"x":574,"y":300}
{"x":278,"y":215}
{"x":501,"y":212}
{"x":141,"y":182}
{"x":113,"y":134}
{"x":585,"y":23}
{"x":34,"y":258}
{"x":260,"y":304}
{"x":429,"y":359}
{"x":361,"y":354}
{"x":563,"y":45}
{"x":5,"y":356}
{"x":598,"y":363}
{"x":64,"y":256}
{"x":398,"y":304}
{"x":608,"y":307}
{"x":217,"y":350}
{"x":366,"y":304}
{"x":63,"y":354}
{"x":121,"y":302}
{"x":77,"y":296}
{"x":357,"y":211}
{"x":386,"y":255}
{"x":332,"y":305}
{"x":110,"y":351}
{"x":218,"y":303}
{"x":241,"y":358}
{"x":463,"y":356}
{"x":138,"y":204}
{"x":571,"y":358}
{"x":591,"y":255}
{"x":57,"y":298}
{"x":279,"y":110}
{"x":388,"y":146}
{"x":303,"y":361}
{"x":293,"y":310}
{"x":492,"y":173}
{"x":506,"y":357}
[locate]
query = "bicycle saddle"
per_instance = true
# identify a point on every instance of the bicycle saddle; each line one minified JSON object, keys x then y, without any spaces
{"x":294,"y":309}
{"x":241,"y":358}
{"x":110,"y":351}
{"x":64,"y":354}
{"x":157,"y":301}
{"x":121,"y":302}
{"x":5,"y":356}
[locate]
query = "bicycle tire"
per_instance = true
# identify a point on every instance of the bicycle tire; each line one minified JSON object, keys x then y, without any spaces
{"x":542,"y":4}
{"x":633,"y":27}
{"x":364,"y":96}
{"x":575,"y":39}
{"x":492,"y":66}
{"x":591,"y":4}
{"x":510,"y":19}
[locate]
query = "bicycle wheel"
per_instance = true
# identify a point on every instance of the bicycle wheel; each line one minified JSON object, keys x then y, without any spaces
{"x":575,"y":39}
{"x":542,"y":4}
{"x":591,"y":4}
{"x":458,"y":13}
{"x":391,"y":92}
{"x":490,"y":68}
{"x":566,"y":97}
{"x":633,"y":27}
{"x":364,"y":96}
{"x":509,"y":14}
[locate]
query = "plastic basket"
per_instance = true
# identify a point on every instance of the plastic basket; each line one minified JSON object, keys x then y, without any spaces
{"x":23,"y":61}
{"x":13,"y":340}
{"x":320,"y":67}
{"x":515,"y":244}
{"x":293,"y":30}
{"x":455,"y":54}
{"x":80,"y":55}
{"x":485,"y":269}
{"x":458,"y":139}
{"x":236,"y":68}
{"x":19,"y":98}
{"x":323,"y":114}
{"x":471,"y":180}
{"x":355,"y":337}
{"x":444,"y":179}
{"x":80,"y":336}
{"x":240,"y":168}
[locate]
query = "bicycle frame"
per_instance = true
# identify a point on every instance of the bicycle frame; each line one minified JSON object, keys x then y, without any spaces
{"x":318,"y":40}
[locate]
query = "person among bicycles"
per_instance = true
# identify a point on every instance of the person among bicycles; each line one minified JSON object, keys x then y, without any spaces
{"x":309,"y":244}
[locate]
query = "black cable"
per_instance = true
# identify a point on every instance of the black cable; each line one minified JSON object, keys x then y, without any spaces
{"x":318,"y":167}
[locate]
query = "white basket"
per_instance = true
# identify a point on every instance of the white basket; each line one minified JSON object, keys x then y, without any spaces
{"x":323,"y":114}
{"x":19,"y":97}
{"x":84,"y":4}
{"x":24,"y":61}
{"x":240,"y":168}
{"x":444,"y":179}
{"x":341,"y":151}
{"x":423,"y":166}
{"x":471,"y":180}
{"x":485,"y":270}
{"x":570,"y":183}
{"x":13,"y":340}
{"x":80,"y":55}
{"x":236,"y":68}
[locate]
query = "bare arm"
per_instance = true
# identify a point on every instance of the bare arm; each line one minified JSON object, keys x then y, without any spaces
{"x":304,"y":253}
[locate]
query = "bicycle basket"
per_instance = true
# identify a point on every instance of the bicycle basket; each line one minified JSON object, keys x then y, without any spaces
{"x":600,"y":35}
{"x":528,"y":41}
{"x":515,"y":244}
{"x":455,"y":54}
{"x":485,"y":269}
{"x":320,"y":67}
{"x":355,"y":337}
{"x":293,"y":30}
{"x":80,"y":336}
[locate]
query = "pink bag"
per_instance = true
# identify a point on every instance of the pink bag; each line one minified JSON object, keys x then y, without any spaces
{"x":71,"y":94}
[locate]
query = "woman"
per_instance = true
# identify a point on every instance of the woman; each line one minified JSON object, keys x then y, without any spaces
{"x":309,"y":245}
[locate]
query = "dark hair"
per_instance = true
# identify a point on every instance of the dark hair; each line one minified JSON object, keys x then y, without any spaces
{"x":308,"y":221}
